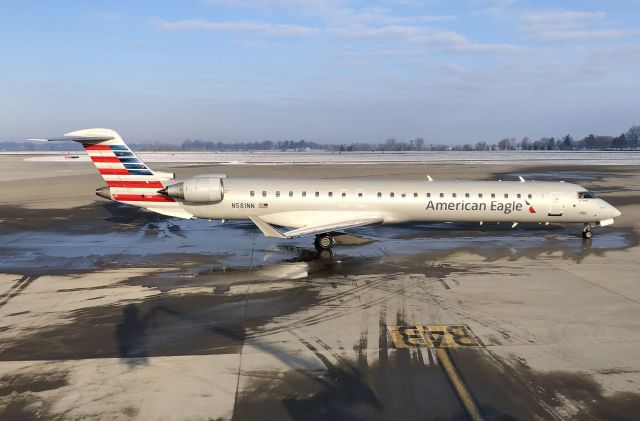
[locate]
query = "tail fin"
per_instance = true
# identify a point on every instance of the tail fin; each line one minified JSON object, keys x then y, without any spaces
{"x":128,"y":179}
{"x":117,"y":164}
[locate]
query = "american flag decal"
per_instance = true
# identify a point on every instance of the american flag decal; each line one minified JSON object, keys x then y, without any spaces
{"x":263,"y":205}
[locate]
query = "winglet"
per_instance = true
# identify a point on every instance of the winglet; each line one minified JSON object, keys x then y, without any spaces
{"x":267,"y":229}
{"x":522,"y":180}
{"x":429,"y":178}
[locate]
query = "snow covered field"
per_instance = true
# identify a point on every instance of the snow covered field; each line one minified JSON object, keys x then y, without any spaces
{"x":301,"y":158}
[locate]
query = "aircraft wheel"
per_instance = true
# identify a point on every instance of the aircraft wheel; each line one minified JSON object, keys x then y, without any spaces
{"x":324,"y":241}
{"x":587,"y":234}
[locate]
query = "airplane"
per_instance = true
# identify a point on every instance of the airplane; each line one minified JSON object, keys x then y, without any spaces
{"x":287,"y":207}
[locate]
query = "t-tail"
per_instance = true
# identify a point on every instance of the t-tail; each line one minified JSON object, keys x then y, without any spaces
{"x":128,"y":179}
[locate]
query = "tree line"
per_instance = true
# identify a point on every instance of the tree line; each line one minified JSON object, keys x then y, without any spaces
{"x":628,"y":140}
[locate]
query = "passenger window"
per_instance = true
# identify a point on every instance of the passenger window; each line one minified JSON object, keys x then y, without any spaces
{"x":290,"y":194}
{"x":317,"y":194}
{"x":330,"y":194}
{"x":392,"y":194}
{"x":441,"y":194}
{"x":529,"y":196}
{"x":252,"y":193}
{"x":519,"y":196}
{"x":415,"y":195}
{"x":506,"y":195}
{"x":277,"y":194}
{"x":304,"y":194}
{"x":466,"y":195}
{"x":480,"y":195}
{"x":359,"y":194}
{"x":379,"y":194}
{"x":404,"y":195}
{"x":454,"y":195}
{"x":264,"y":193}
{"x":428,"y":194}
{"x":493,"y":195}
{"x":344,"y":194}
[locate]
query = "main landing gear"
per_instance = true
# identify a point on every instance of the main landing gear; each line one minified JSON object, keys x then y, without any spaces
{"x":324,"y":241}
{"x":323,"y":244}
{"x":586,"y":232}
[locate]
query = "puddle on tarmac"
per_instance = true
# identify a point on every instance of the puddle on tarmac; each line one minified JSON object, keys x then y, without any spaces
{"x":172,"y":243}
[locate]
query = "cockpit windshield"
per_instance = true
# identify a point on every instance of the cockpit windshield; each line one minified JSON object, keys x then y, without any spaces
{"x":586,"y":195}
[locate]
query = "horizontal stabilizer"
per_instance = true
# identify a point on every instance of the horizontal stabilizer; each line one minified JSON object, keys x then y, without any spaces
{"x":81,"y":139}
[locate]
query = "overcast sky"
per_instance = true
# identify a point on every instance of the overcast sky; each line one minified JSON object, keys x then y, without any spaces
{"x":324,"y":70}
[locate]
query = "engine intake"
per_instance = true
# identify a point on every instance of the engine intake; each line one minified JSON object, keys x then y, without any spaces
{"x":198,"y":190}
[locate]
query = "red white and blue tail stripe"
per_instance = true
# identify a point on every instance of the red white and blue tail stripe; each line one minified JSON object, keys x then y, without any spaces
{"x":128,"y":179}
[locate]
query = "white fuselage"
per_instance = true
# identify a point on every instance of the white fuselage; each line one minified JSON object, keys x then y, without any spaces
{"x":303,"y":202}
{"x":321,"y":206}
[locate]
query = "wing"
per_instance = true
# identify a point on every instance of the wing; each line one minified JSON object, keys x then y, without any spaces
{"x":269,"y":231}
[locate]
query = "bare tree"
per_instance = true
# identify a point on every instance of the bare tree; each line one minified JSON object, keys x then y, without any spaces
{"x":633,"y":136}
{"x":482,"y":146}
{"x":503,"y":144}
{"x":619,"y":142}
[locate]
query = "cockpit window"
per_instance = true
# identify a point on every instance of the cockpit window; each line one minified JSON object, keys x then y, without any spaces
{"x":586,"y":195}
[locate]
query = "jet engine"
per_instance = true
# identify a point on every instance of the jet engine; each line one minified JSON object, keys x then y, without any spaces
{"x":198,"y":189}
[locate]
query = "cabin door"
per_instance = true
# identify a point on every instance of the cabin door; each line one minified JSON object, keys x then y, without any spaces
{"x":557,"y":204}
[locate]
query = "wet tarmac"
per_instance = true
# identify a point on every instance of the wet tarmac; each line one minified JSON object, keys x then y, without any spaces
{"x":112,"y":313}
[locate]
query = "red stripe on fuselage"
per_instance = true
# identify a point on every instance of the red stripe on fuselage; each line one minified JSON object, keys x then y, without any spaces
{"x":96,"y":147}
{"x":141,"y":198}
{"x":105,"y":159}
{"x":111,"y":171}
{"x":136,"y":184}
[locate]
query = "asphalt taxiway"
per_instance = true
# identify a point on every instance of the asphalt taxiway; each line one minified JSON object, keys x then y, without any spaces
{"x":113,"y":313}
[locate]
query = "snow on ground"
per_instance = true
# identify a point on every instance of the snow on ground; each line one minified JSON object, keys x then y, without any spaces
{"x":316,"y":157}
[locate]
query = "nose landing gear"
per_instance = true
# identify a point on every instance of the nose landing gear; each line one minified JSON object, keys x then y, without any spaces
{"x":586,"y":232}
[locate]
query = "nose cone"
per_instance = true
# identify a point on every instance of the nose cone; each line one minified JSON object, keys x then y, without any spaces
{"x":104,"y":192}
{"x":615,"y":212}
{"x":610,"y":211}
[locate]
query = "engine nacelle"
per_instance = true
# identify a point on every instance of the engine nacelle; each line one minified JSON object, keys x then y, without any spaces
{"x":198,"y":189}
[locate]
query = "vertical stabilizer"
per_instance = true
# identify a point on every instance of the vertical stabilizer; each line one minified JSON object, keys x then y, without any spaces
{"x":128,"y":179}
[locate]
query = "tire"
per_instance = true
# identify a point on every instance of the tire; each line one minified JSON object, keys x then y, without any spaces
{"x":587,"y":234}
{"x":325,"y":241}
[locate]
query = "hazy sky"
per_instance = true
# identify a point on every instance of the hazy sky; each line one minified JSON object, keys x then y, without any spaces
{"x":324,"y":70}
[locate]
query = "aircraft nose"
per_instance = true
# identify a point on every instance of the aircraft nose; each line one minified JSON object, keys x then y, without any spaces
{"x":615,"y":212}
